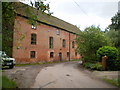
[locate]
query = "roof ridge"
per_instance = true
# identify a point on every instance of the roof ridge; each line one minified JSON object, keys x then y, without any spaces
{"x":52,"y":20}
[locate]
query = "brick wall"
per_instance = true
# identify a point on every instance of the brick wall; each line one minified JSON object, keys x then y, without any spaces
{"x":22,"y":42}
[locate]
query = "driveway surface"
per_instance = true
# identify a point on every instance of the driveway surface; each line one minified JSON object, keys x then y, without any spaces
{"x":67,"y":75}
{"x":60,"y":75}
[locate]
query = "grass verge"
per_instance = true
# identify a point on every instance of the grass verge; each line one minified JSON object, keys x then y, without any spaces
{"x":45,"y":63}
{"x":7,"y":83}
{"x":115,"y":82}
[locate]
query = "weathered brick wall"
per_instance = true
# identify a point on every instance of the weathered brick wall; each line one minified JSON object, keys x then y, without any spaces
{"x":22,"y":42}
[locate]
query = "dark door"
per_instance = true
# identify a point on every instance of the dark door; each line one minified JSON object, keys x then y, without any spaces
{"x":60,"y":56}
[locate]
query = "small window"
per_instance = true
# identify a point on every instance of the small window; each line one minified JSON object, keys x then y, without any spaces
{"x":33,"y":39}
{"x":51,"y":54}
{"x":33,"y":27}
{"x":75,"y":53}
{"x":58,"y":32}
{"x":68,"y":54}
{"x":51,"y":42}
{"x":64,"y":43}
{"x":73,"y":44}
{"x":32,"y":54}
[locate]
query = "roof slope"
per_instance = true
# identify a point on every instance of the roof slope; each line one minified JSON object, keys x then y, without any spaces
{"x":43,"y":17}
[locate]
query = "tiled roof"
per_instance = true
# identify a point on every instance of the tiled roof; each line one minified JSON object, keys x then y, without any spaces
{"x":43,"y":17}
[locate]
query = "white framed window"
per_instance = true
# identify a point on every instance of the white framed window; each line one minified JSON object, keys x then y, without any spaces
{"x":33,"y":27}
{"x":58,"y":32}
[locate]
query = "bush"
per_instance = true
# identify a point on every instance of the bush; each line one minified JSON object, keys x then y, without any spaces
{"x":112,"y":54}
{"x":87,"y":65}
{"x":96,"y":66}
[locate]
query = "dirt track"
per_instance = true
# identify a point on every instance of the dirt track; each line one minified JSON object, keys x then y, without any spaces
{"x":61,"y":75}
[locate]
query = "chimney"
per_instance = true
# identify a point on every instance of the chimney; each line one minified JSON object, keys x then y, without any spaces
{"x":119,"y":7}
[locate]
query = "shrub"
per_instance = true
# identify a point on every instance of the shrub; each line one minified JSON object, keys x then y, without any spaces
{"x":88,"y":65}
{"x":96,"y":66}
{"x":112,"y":54}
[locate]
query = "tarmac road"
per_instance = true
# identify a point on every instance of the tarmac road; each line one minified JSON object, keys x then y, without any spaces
{"x":67,"y":75}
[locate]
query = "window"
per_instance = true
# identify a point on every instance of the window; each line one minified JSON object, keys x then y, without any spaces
{"x":51,"y":54}
{"x":64,"y":43}
{"x":33,"y":38}
{"x":75,"y":53}
{"x":58,"y":32}
{"x":68,"y":54}
{"x":51,"y":42}
{"x":73,"y":44}
{"x":33,"y":27}
{"x":32,"y":54}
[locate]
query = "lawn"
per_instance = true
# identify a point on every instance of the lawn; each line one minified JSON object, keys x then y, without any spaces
{"x":7,"y":83}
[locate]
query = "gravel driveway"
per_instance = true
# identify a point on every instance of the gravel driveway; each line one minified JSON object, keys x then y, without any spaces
{"x":60,"y":75}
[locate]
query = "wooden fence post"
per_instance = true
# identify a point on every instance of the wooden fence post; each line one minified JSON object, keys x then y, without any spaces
{"x":104,"y":58}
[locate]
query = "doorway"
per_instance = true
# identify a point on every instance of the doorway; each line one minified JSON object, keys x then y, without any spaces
{"x":60,"y":56}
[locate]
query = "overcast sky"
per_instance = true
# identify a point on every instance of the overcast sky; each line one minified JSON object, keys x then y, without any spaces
{"x":84,"y":13}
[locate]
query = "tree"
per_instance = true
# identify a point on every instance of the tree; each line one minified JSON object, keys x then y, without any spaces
{"x":114,"y":30}
{"x":115,"y":22}
{"x":89,"y":41}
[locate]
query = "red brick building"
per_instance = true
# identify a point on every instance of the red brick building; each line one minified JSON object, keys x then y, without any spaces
{"x":51,"y":39}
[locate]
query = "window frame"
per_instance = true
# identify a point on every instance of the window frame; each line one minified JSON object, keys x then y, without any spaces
{"x":76,"y":53}
{"x":73,"y":44}
{"x":64,"y":43}
{"x":32,"y":54}
{"x":51,"y":54}
{"x":34,"y":27}
{"x":51,"y":42}
{"x":33,"y":38}
{"x":68,"y":54}
{"x":58,"y":32}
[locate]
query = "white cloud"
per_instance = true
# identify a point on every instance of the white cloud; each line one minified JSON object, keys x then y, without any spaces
{"x":89,"y":12}
{"x":84,"y":13}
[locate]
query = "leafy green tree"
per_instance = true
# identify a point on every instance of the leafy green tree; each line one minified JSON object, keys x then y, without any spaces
{"x":113,"y":30}
{"x":89,"y":41}
{"x":113,"y":37}
{"x":115,"y":22}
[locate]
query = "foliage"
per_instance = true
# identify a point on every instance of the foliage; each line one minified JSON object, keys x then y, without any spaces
{"x":87,"y":65}
{"x":0,"y":42}
{"x":7,"y":83}
{"x":40,"y":5}
{"x":7,"y":28}
{"x":113,"y":81}
{"x":113,"y":37}
{"x":89,"y":41}
{"x":96,"y":66}
{"x":115,"y":22}
{"x":113,"y":30}
{"x":112,"y":53}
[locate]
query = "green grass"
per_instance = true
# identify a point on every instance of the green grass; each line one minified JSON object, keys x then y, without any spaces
{"x":7,"y":83}
{"x":45,"y":63}
{"x":115,"y":82}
